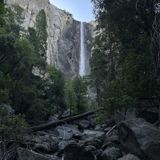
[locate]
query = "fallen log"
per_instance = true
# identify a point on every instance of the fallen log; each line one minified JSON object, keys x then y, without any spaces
{"x":60,"y":122}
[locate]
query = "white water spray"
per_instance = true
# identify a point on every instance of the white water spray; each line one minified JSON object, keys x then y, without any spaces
{"x":82,"y":68}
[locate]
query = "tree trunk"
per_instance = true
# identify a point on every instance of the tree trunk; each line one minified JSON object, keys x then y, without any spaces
{"x":66,"y":120}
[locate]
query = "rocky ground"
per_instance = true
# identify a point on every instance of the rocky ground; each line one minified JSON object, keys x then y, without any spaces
{"x":130,"y":139}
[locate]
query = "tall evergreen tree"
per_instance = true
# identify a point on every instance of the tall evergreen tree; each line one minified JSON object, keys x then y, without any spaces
{"x":41,"y":32}
{"x":122,"y":62}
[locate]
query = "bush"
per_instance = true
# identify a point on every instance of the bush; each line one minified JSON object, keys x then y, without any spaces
{"x":11,"y":126}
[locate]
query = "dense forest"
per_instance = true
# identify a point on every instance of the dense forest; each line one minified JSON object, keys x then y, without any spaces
{"x":124,"y":68}
{"x":29,"y":87}
{"x":125,"y":62}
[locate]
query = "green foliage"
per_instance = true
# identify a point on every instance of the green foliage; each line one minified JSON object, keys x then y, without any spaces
{"x":2,"y":12}
{"x":76,"y":95}
{"x":56,"y":89}
{"x":5,"y":82}
{"x":122,"y":62}
{"x":70,"y":99}
{"x":80,"y":90}
{"x":38,"y":37}
{"x":25,"y":81}
{"x":12,"y":126}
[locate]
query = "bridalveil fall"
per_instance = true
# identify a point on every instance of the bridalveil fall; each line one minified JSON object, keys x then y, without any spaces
{"x":82,"y":64}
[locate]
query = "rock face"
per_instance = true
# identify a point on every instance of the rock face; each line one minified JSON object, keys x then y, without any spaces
{"x":63,"y":50}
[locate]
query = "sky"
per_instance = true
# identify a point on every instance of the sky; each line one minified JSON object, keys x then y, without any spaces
{"x":81,"y":10}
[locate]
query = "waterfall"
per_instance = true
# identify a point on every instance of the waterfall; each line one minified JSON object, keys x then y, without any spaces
{"x":82,"y":68}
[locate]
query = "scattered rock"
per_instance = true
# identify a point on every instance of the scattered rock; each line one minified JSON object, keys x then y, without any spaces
{"x":84,"y":124}
{"x":98,"y":128}
{"x":44,"y":143}
{"x":75,"y":152}
{"x":111,"y":153}
{"x":97,"y":143}
{"x":63,"y":144}
{"x":24,"y":154}
{"x":66,"y":132}
{"x":91,"y":134}
{"x":113,"y":138}
{"x":90,"y":148}
{"x":108,"y":144}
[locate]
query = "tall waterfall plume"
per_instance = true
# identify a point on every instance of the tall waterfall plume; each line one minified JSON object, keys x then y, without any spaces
{"x":82,"y":64}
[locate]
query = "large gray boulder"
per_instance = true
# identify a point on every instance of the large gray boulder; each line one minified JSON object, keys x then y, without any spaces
{"x":111,"y":153}
{"x":92,"y":134}
{"x":76,"y":152}
{"x":140,"y":138}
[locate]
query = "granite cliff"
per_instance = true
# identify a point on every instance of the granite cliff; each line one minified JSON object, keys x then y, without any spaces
{"x":63,"y":43}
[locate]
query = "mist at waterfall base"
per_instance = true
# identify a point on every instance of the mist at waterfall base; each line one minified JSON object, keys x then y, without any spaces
{"x":82,"y":63}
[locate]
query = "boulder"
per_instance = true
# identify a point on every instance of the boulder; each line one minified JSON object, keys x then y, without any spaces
{"x":111,"y":153}
{"x":90,"y":148}
{"x":25,"y":154}
{"x":140,"y":138}
{"x":66,"y":132}
{"x":129,"y":157}
{"x":84,"y":124}
{"x":53,"y":118}
{"x":98,"y":128}
{"x":112,"y":138}
{"x":76,"y":152}
{"x":97,"y":143}
{"x":92,"y":134}
{"x":63,"y":144}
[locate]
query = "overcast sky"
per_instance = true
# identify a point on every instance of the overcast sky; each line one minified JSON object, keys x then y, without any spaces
{"x":81,"y":10}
